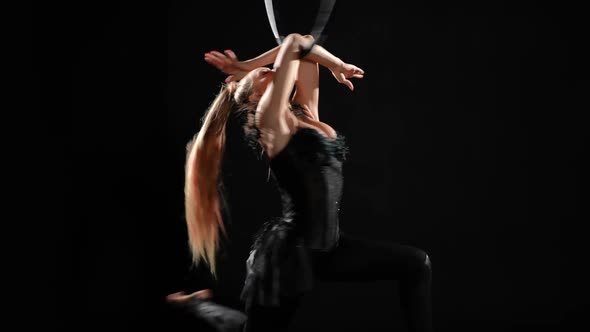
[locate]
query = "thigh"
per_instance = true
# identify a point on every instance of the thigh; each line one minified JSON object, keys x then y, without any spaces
{"x":361,"y":259}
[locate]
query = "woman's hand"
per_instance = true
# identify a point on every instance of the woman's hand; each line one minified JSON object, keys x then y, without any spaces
{"x":228,"y":63}
{"x":345,"y":71}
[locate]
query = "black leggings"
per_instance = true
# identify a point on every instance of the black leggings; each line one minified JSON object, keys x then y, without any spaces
{"x":362,"y":260}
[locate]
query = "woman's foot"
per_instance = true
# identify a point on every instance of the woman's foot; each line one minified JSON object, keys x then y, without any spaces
{"x":181,"y":297}
{"x":199,"y":304}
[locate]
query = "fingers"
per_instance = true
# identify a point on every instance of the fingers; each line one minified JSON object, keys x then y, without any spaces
{"x":357,"y":73}
{"x":213,"y":60}
{"x":348,"y":84}
{"x":231,"y":54}
{"x":220,"y":58}
{"x":218,"y":55}
{"x":230,"y":78}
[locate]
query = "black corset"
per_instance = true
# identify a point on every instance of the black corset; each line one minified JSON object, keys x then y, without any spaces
{"x":309,"y":175}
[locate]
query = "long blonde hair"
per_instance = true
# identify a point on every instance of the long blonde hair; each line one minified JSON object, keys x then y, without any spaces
{"x":202,"y":168}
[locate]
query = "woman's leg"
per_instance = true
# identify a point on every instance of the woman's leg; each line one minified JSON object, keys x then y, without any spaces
{"x":358,"y":259}
{"x":271,"y":319}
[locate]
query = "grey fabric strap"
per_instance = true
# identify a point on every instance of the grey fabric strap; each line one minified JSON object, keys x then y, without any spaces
{"x":323,"y":14}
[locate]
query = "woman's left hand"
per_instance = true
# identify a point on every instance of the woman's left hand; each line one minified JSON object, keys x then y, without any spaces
{"x":345,"y":71}
{"x":227,"y":63}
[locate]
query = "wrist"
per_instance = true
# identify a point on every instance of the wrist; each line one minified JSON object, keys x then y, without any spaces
{"x":335,"y":64}
{"x":247,"y":65}
{"x":325,"y":58}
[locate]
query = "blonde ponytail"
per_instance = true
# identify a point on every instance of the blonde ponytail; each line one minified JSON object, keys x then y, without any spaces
{"x":203,"y":164}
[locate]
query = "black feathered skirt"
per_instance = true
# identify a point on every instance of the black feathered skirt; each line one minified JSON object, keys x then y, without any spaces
{"x":279,"y":265}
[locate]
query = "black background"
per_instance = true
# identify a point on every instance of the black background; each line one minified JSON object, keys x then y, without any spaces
{"x":466,"y":139}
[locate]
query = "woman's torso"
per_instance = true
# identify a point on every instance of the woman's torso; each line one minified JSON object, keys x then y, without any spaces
{"x":308,"y":171}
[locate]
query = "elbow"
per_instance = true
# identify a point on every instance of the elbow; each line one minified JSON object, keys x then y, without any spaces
{"x":296,"y":42}
{"x":293,"y":41}
{"x":308,"y":38}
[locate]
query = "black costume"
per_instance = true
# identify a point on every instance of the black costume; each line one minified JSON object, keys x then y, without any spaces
{"x":306,"y":243}
{"x":242,"y":173}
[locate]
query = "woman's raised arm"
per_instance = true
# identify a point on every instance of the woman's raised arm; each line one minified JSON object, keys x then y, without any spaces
{"x":228,"y":62}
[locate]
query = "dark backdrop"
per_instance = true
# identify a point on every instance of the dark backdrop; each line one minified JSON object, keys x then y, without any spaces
{"x":466,"y":140}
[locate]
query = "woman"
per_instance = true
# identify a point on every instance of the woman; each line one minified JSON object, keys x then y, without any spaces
{"x":305,"y":156}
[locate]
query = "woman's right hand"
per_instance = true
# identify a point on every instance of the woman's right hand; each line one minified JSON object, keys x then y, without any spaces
{"x":345,"y":71}
{"x":228,"y":63}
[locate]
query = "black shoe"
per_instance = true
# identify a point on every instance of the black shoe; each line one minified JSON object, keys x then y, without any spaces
{"x":222,"y":318}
